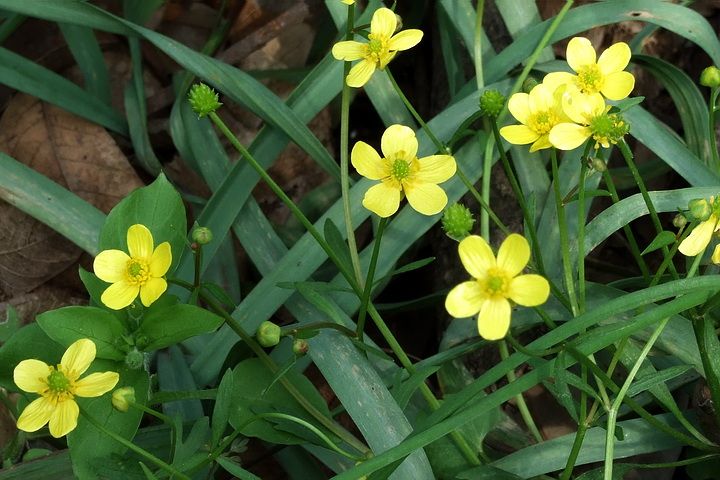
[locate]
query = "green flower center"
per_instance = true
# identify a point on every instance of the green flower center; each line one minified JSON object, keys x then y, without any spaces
{"x":137,"y":271}
{"x":496,"y":283}
{"x":400,"y":169}
{"x":607,"y":129}
{"x":542,"y":122}
{"x":590,"y":79}
{"x":57,"y":382}
{"x":377,"y":50}
{"x":375,"y":45}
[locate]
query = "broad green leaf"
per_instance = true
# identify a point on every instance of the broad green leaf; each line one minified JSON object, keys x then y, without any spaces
{"x":69,"y":324}
{"x":28,"y":342}
{"x":168,"y":326}
{"x":174,"y":375}
{"x":86,"y":50}
{"x":10,"y":325}
{"x":662,"y":239}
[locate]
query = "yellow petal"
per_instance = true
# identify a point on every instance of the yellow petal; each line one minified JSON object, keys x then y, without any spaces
{"x":518,"y":106}
{"x":436,"y":168}
{"x":513,"y":254}
{"x":119,"y":295}
{"x":348,"y":2}
{"x":540,"y":99}
{"x":464,"y":300}
{"x":349,"y":50}
{"x":152,"y":290}
{"x":360,"y":73}
{"x":426,"y":198}
{"x":519,"y":134}
{"x":161,"y":260}
{"x":96,"y":384}
{"x":715,"y":257}
{"x":556,"y":79}
{"x":399,"y":141}
{"x":494,"y":319}
{"x":367,"y":162}
{"x":35,"y":415}
{"x":529,"y":290}
{"x":615,"y":58}
{"x":580,"y":53}
{"x":405,"y":39}
{"x":78,"y":357}
{"x":382,"y":199}
{"x":63,"y":419}
{"x":383,"y":22}
{"x":699,"y":238}
{"x":541,"y":143}
{"x":618,"y":85}
{"x":31,"y":375}
{"x":140,"y":241}
{"x":111,"y":265}
{"x":476,"y":256}
{"x":568,"y":136}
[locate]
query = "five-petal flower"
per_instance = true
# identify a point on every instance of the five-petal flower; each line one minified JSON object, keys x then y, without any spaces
{"x":494,"y":283}
{"x":58,"y":386}
{"x":382,"y":46}
{"x":401,"y":172}
{"x":538,"y":112}
{"x":141,"y":272}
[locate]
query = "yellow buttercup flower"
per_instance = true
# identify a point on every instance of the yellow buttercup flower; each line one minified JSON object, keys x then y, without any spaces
{"x":538,"y":112}
{"x":700,"y":237}
{"x":348,"y":2}
{"x":140,"y":272}
{"x":380,"y":49}
{"x":591,"y":118}
{"x":494,"y":283}
{"x":401,"y":172}
{"x":58,"y":387}
{"x":605,"y":76}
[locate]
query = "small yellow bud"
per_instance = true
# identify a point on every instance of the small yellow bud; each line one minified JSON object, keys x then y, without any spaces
{"x":679,"y":220}
{"x":700,"y":209}
{"x":599,"y":165}
{"x":268,"y":334}
{"x":710,"y":77}
{"x":122,"y":398}
{"x":202,"y":235}
{"x":300,"y":347}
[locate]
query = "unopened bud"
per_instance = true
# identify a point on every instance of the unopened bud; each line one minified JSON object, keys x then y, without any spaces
{"x":203,"y":99}
{"x":679,"y":220}
{"x":134,"y":359}
{"x":300,"y":347}
{"x":122,"y":398}
{"x":700,"y":209}
{"x":202,"y":235}
{"x":268,"y":334}
{"x":599,"y":165}
{"x":710,"y":77}
{"x":457,"y":221}
{"x":491,"y":103}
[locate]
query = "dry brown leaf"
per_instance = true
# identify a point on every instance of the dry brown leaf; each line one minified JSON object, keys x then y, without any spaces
{"x":71,"y":151}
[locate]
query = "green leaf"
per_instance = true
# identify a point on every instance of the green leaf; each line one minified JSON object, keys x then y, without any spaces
{"x":174,"y":375}
{"x":173,"y":324}
{"x":86,"y":50}
{"x":69,"y":324}
{"x":234,"y":469}
{"x":157,"y":206}
{"x":486,"y":472}
{"x":10,"y":325}
{"x":222,"y":407}
{"x":618,"y":473}
{"x":28,"y":342}
{"x":403,"y":390}
{"x":662,"y":239}
{"x":646,"y":382}
{"x":337,"y":242}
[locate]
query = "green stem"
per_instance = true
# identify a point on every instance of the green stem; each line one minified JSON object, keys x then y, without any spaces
{"x":486,"y":177}
{"x":473,"y":191}
{"x":519,"y":399}
{"x":634,"y":249}
{"x":627,"y":154}
{"x":362,"y":314}
{"x":612,"y":413}
{"x":344,"y":154}
{"x":197,"y":250}
{"x":163,"y":418}
{"x":581,"y":229}
{"x":477,"y":45}
{"x":712,"y":135}
{"x":667,"y":259}
{"x":293,"y":330}
{"x":131,"y":446}
{"x":564,"y":242}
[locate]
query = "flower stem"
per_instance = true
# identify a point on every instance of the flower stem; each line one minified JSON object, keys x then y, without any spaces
{"x":712,"y":135}
{"x":295,"y":329}
{"x":367,"y":291}
{"x":197,"y":250}
{"x":477,"y":44}
{"x":564,"y":242}
{"x":519,"y":399}
{"x":131,"y":446}
{"x":344,"y":154}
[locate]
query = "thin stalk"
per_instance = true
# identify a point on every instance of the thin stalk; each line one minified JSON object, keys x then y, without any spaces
{"x":295,"y":329}
{"x":712,"y":135}
{"x":519,"y":399}
{"x":163,"y":418}
{"x":634,"y":249}
{"x":134,"y":448}
{"x":564,"y":242}
{"x":627,"y":154}
{"x":369,"y":280}
{"x":581,"y":230}
{"x":197,"y":250}
{"x":613,"y":412}
{"x":344,"y":154}
{"x":477,"y":45}
{"x":473,"y":191}
{"x":485,"y":185}
{"x":667,"y":260}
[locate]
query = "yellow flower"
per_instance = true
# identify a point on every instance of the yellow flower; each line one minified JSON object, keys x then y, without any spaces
{"x":140,"y":272}
{"x":401,"y":172}
{"x":604,"y":76}
{"x":58,"y":387}
{"x":494,"y":282}
{"x":348,"y":2}
{"x":589,"y":114}
{"x":700,"y":237}
{"x":380,"y":49}
{"x":538,"y":112}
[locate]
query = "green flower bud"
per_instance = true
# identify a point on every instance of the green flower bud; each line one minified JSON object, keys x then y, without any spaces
{"x":203,"y":99}
{"x":710,"y":77}
{"x":122,"y":398}
{"x":457,"y":221}
{"x":700,"y":209}
{"x":679,"y":220}
{"x":268,"y":334}
{"x":202,"y":235}
{"x":134,"y":359}
{"x":300,"y":347}
{"x":598,"y":164}
{"x":529,"y":84}
{"x":491,"y":103}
